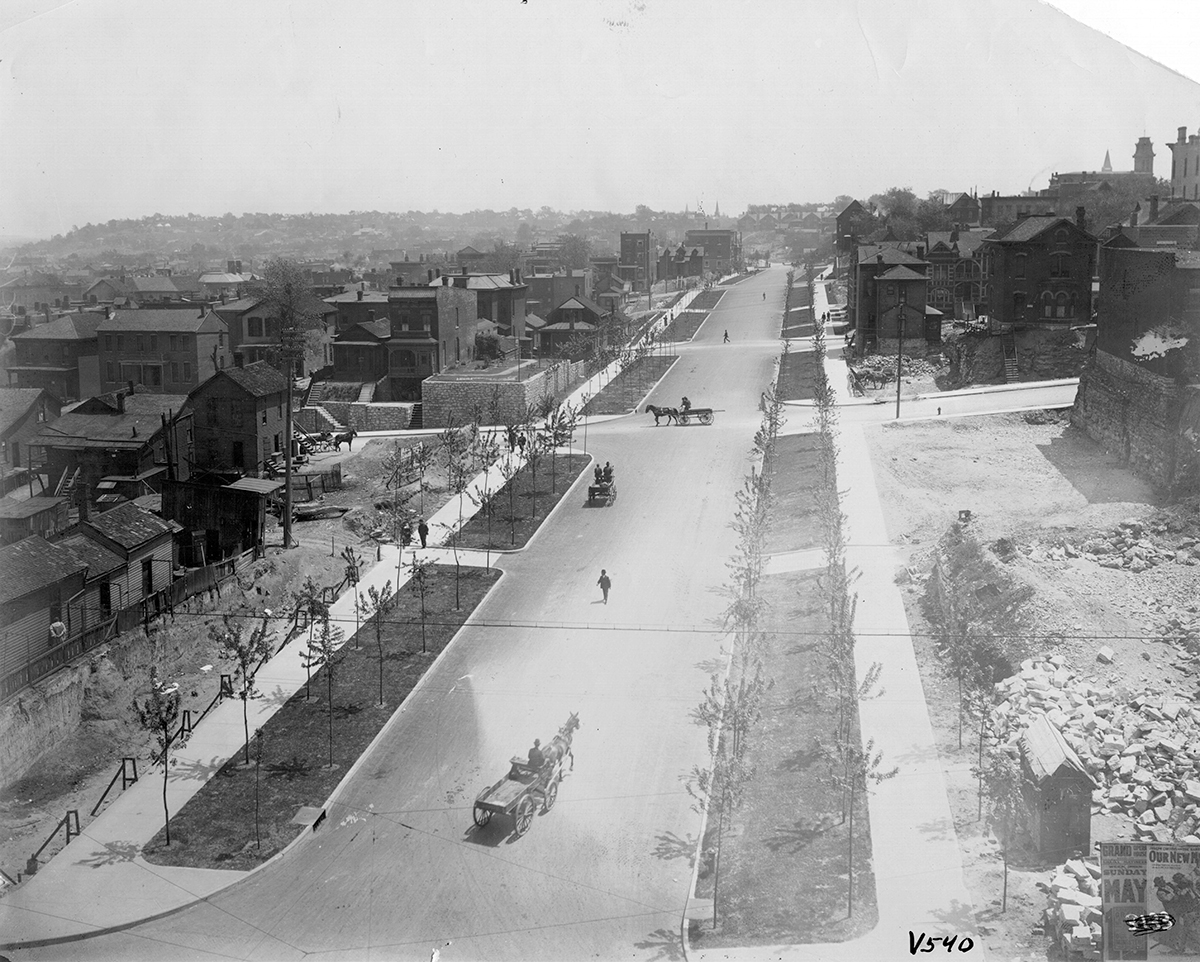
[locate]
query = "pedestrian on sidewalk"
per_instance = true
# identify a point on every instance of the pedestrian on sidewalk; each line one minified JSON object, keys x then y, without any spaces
{"x":423,"y":531}
{"x":764,"y":295}
{"x":605,"y":583}
{"x":727,"y":337}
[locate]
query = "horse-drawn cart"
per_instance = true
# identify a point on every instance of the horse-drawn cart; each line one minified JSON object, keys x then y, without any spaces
{"x":525,"y":788}
{"x":680,"y":416}
{"x":605,"y":491}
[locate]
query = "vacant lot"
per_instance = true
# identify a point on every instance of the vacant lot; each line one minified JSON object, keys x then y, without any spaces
{"x":1035,"y":486}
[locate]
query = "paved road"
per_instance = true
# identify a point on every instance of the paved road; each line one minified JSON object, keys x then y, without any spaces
{"x":399,"y":869}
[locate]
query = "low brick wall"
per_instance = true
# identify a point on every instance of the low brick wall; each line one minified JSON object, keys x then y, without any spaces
{"x":1141,"y":417}
{"x":446,"y":400}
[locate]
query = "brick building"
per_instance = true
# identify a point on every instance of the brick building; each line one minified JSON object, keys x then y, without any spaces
{"x":238,"y":418}
{"x":722,"y":249}
{"x":1185,"y":166}
{"x":254,"y":332}
{"x":165,"y":350}
{"x":957,"y":272}
{"x":1041,"y":272}
{"x":638,"y":255}
{"x":863,"y":300}
{"x":61,"y":356}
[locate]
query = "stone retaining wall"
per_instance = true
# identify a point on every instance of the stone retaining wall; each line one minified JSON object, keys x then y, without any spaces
{"x":1141,"y":417}
{"x":456,"y":400}
{"x":368,"y":416}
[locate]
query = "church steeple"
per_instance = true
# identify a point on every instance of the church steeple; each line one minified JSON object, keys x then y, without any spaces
{"x":1107,"y":168}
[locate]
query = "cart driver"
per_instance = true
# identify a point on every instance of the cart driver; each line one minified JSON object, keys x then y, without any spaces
{"x":608,"y":472}
{"x":685,"y":404}
{"x":599,"y":474}
{"x":536,"y":759}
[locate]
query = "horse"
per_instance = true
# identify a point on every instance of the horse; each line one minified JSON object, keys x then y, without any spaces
{"x":560,"y":745}
{"x":671,"y":414}
{"x":348,"y":437}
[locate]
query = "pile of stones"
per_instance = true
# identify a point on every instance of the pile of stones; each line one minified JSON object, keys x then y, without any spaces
{"x":1073,"y":918}
{"x":1143,"y":751}
{"x":1129,"y":547}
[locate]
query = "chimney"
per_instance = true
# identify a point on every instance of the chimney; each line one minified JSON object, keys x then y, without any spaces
{"x":879,"y":258}
{"x":1081,"y":217}
{"x":512,"y":276}
{"x":519,"y":281}
{"x":108,"y":311}
{"x":1133,"y":216}
{"x":430,"y":276}
{"x":464,"y":270}
{"x":921,"y":251}
{"x":1182,"y":135}
{"x":439,"y":271}
{"x":360,"y":293}
{"x":229,"y":267}
{"x":445,"y":279}
{"x":1153,"y":208}
{"x":201,"y":310}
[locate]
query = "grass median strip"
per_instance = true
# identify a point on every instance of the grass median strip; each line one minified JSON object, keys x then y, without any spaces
{"x":626,"y":390}
{"x":217,"y":827}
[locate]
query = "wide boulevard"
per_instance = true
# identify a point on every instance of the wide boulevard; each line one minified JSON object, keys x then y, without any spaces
{"x":399,"y":869}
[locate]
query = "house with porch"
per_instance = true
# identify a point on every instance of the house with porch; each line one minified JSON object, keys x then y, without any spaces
{"x":23,"y":411}
{"x":575,"y":317}
{"x":253,"y":326}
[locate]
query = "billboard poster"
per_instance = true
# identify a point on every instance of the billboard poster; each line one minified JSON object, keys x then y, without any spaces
{"x":1122,"y":894}
{"x":1142,"y":883}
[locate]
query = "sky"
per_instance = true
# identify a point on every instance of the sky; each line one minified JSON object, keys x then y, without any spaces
{"x":124,"y":108}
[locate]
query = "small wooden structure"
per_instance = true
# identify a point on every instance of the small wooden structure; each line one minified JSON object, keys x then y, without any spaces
{"x":1058,"y":792}
{"x":20,"y":519}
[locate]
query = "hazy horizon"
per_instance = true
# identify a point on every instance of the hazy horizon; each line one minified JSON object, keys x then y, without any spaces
{"x":126,"y":108}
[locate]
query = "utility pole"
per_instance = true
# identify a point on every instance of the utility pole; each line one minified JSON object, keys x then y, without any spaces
{"x":649,"y":281}
{"x":899,"y":342}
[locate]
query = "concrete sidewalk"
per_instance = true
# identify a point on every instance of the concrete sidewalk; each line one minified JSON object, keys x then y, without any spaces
{"x":100,"y":880}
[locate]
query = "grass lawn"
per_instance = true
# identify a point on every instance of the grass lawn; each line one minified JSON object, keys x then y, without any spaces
{"x":796,"y":373}
{"x":793,"y":493}
{"x":622,"y":394}
{"x":705,"y":300}
{"x":798,"y":323}
{"x":530,"y":505}
{"x":215,"y":829}
{"x":783,"y":865}
{"x":685,"y":326}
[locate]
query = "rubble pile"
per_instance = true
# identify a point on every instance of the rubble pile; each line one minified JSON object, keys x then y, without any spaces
{"x":1129,"y":546}
{"x":1073,"y":918}
{"x":1142,"y":752}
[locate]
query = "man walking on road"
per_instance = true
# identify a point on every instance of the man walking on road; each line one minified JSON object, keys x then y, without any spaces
{"x":726,"y":337}
{"x":423,"y":531}
{"x":605,"y":583}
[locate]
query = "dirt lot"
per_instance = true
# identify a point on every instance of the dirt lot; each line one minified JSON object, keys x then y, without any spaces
{"x":1046,"y":488}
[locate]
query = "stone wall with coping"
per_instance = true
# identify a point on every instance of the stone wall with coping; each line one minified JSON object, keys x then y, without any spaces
{"x":455,"y":400}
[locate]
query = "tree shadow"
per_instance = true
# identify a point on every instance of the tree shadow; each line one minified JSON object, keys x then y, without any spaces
{"x":664,"y":943}
{"x":346,"y":711}
{"x":712,"y":666}
{"x":671,"y":846}
{"x":794,"y":838}
{"x":114,"y":853}
{"x":959,"y":917}
{"x":801,"y":759}
{"x":184,"y":768}
{"x":276,"y":698}
{"x":937,"y":830}
{"x":290,"y":770}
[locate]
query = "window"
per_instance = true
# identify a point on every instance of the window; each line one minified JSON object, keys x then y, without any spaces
{"x":174,"y":342}
{"x":154,"y":342}
{"x":108,"y":342}
{"x":254,"y":327}
{"x":154,"y":375}
{"x":1060,"y":304}
{"x":1047,"y":305}
{"x":105,"y":600}
{"x":1019,"y":268}
{"x":264,"y":415}
{"x":108,"y":371}
{"x":175,"y":371}
{"x":141,"y":343}
{"x":278,"y":443}
{"x":1061,"y":237}
{"x":183,"y":341}
{"x":187,"y":372}
{"x":120,"y":342}
{"x":148,"y":577}
{"x":220,"y":338}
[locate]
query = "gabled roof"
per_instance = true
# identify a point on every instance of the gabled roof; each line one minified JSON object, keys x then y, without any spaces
{"x":891,"y":255}
{"x":108,"y":429}
{"x":129,"y":526}
{"x":535,"y":322}
{"x":901,"y":273}
{"x":36,"y":279}
{"x":182,"y":320}
{"x":15,"y":403}
{"x":1179,"y":212}
{"x":80,"y":326}
{"x":586,"y":303}
{"x":258,"y":379}
{"x":99,"y":560}
{"x":12,"y":508}
{"x":565,"y":326}
{"x":1037,"y":224}
{"x":33,"y":563}
{"x":471,"y":251}
{"x":476,"y":282}
{"x":1047,"y":752}
{"x":116,"y":283}
{"x":235,"y":307}
{"x":151,"y":285}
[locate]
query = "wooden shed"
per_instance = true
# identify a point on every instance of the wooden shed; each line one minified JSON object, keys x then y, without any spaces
{"x":21,"y":519}
{"x":1058,"y":791}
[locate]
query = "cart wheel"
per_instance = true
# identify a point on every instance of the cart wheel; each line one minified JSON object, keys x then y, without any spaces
{"x":524,"y":815}
{"x":551,"y":796}
{"x":706,"y":419}
{"x":482,"y":816}
{"x":684,"y":418}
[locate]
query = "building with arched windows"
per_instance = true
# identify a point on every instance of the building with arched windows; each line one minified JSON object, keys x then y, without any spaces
{"x":1040,"y":272}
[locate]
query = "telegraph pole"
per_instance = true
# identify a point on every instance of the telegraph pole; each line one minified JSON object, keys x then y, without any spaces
{"x":899,"y":343}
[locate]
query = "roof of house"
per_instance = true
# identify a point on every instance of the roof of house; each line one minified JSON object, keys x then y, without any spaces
{"x":891,"y":255}
{"x":352,"y":297}
{"x":532,"y":320}
{"x":471,"y":251}
{"x":476,"y":282}
{"x":12,"y":508}
{"x":80,"y":326}
{"x":129,"y":525}
{"x":15,"y":403}
{"x":222,"y":277}
{"x":33,"y":563}
{"x":565,"y":326}
{"x":901,"y":273}
{"x":1047,"y":752}
{"x":142,"y":418}
{"x":116,"y":283}
{"x":99,"y":559}
{"x":163,"y":319}
{"x":1035,"y":225}
{"x":579,"y":301}
{"x":36,"y":279}
{"x":239,"y":306}
{"x":258,"y":379}
{"x":156,"y":284}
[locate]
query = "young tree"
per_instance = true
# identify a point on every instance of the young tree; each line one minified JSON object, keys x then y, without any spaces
{"x":855,"y":768}
{"x":487,"y":453}
{"x":311,"y":600}
{"x":422,"y":458}
{"x":1007,"y":809}
{"x":510,"y":468}
{"x":158,"y":714}
{"x":247,"y":649}
{"x":260,"y":739}
{"x":285,"y":293}
{"x":353,"y":569}
{"x":323,"y":652}
{"x":418,"y":584}
{"x":534,"y":451}
{"x":379,"y":603}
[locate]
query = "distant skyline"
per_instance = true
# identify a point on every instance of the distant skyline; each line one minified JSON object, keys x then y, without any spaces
{"x":125,"y":108}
